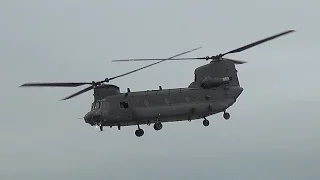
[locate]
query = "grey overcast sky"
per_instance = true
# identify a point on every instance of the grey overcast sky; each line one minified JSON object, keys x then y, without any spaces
{"x":273,"y":132}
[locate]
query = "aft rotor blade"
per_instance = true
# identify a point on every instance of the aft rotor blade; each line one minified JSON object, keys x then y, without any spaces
{"x":258,"y":42}
{"x":162,"y":60}
{"x":79,"y":92}
{"x":66,"y":84}
{"x":220,"y":55}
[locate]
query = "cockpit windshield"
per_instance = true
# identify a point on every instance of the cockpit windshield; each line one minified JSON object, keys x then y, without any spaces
{"x":99,"y":105}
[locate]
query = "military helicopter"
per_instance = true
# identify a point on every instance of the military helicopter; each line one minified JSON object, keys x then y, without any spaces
{"x":215,"y":88}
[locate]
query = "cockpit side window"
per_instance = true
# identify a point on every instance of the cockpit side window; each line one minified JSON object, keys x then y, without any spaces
{"x":99,"y":104}
{"x":96,"y":106}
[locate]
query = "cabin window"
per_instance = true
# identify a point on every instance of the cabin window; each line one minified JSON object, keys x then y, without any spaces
{"x":124,"y":104}
{"x":97,"y":105}
{"x":207,"y":97}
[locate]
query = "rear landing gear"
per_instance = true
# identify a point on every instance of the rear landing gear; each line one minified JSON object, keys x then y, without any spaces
{"x":139,"y":132}
{"x":226,"y":115}
{"x":205,"y":122}
{"x":157,"y":126}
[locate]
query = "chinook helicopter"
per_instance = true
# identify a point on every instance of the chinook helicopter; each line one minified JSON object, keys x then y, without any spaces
{"x":215,"y":88}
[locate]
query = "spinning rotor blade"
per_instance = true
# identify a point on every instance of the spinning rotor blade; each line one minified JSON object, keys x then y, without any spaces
{"x":219,"y":57}
{"x":162,"y":60}
{"x":235,"y":61}
{"x":176,"y":59}
{"x":70,"y":84}
{"x":93,"y":84}
{"x":79,"y":92}
{"x":257,"y":42}
{"x":126,"y":60}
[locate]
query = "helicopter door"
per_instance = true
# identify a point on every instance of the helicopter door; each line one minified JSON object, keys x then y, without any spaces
{"x":126,"y":110}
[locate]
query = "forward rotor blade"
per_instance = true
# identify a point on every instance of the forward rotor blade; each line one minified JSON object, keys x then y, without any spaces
{"x":179,"y":59}
{"x":67,"y":84}
{"x":79,"y":92}
{"x":74,"y":84}
{"x":162,"y":60}
{"x":258,"y":42}
{"x":235,"y":61}
{"x":126,"y":60}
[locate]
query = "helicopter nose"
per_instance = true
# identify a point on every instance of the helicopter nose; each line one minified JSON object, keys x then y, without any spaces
{"x":93,"y":116}
{"x":87,"y":117}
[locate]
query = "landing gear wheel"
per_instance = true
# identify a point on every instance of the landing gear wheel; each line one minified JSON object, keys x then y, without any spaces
{"x":157,"y":126}
{"x":205,"y":122}
{"x":139,"y":132}
{"x":226,"y":115}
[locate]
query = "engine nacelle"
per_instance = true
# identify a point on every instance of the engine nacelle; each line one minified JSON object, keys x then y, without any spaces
{"x":209,"y":82}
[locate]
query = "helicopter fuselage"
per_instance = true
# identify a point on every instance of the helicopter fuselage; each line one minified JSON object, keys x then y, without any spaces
{"x":163,"y":105}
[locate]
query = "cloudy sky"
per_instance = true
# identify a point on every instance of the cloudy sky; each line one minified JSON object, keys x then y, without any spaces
{"x":273,"y":132}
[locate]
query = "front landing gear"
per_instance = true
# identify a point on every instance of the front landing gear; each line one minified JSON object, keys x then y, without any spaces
{"x":226,"y":115}
{"x":139,"y":132}
{"x":100,"y":126}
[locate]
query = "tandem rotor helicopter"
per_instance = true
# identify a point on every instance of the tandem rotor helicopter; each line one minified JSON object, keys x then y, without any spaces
{"x":215,"y":88}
